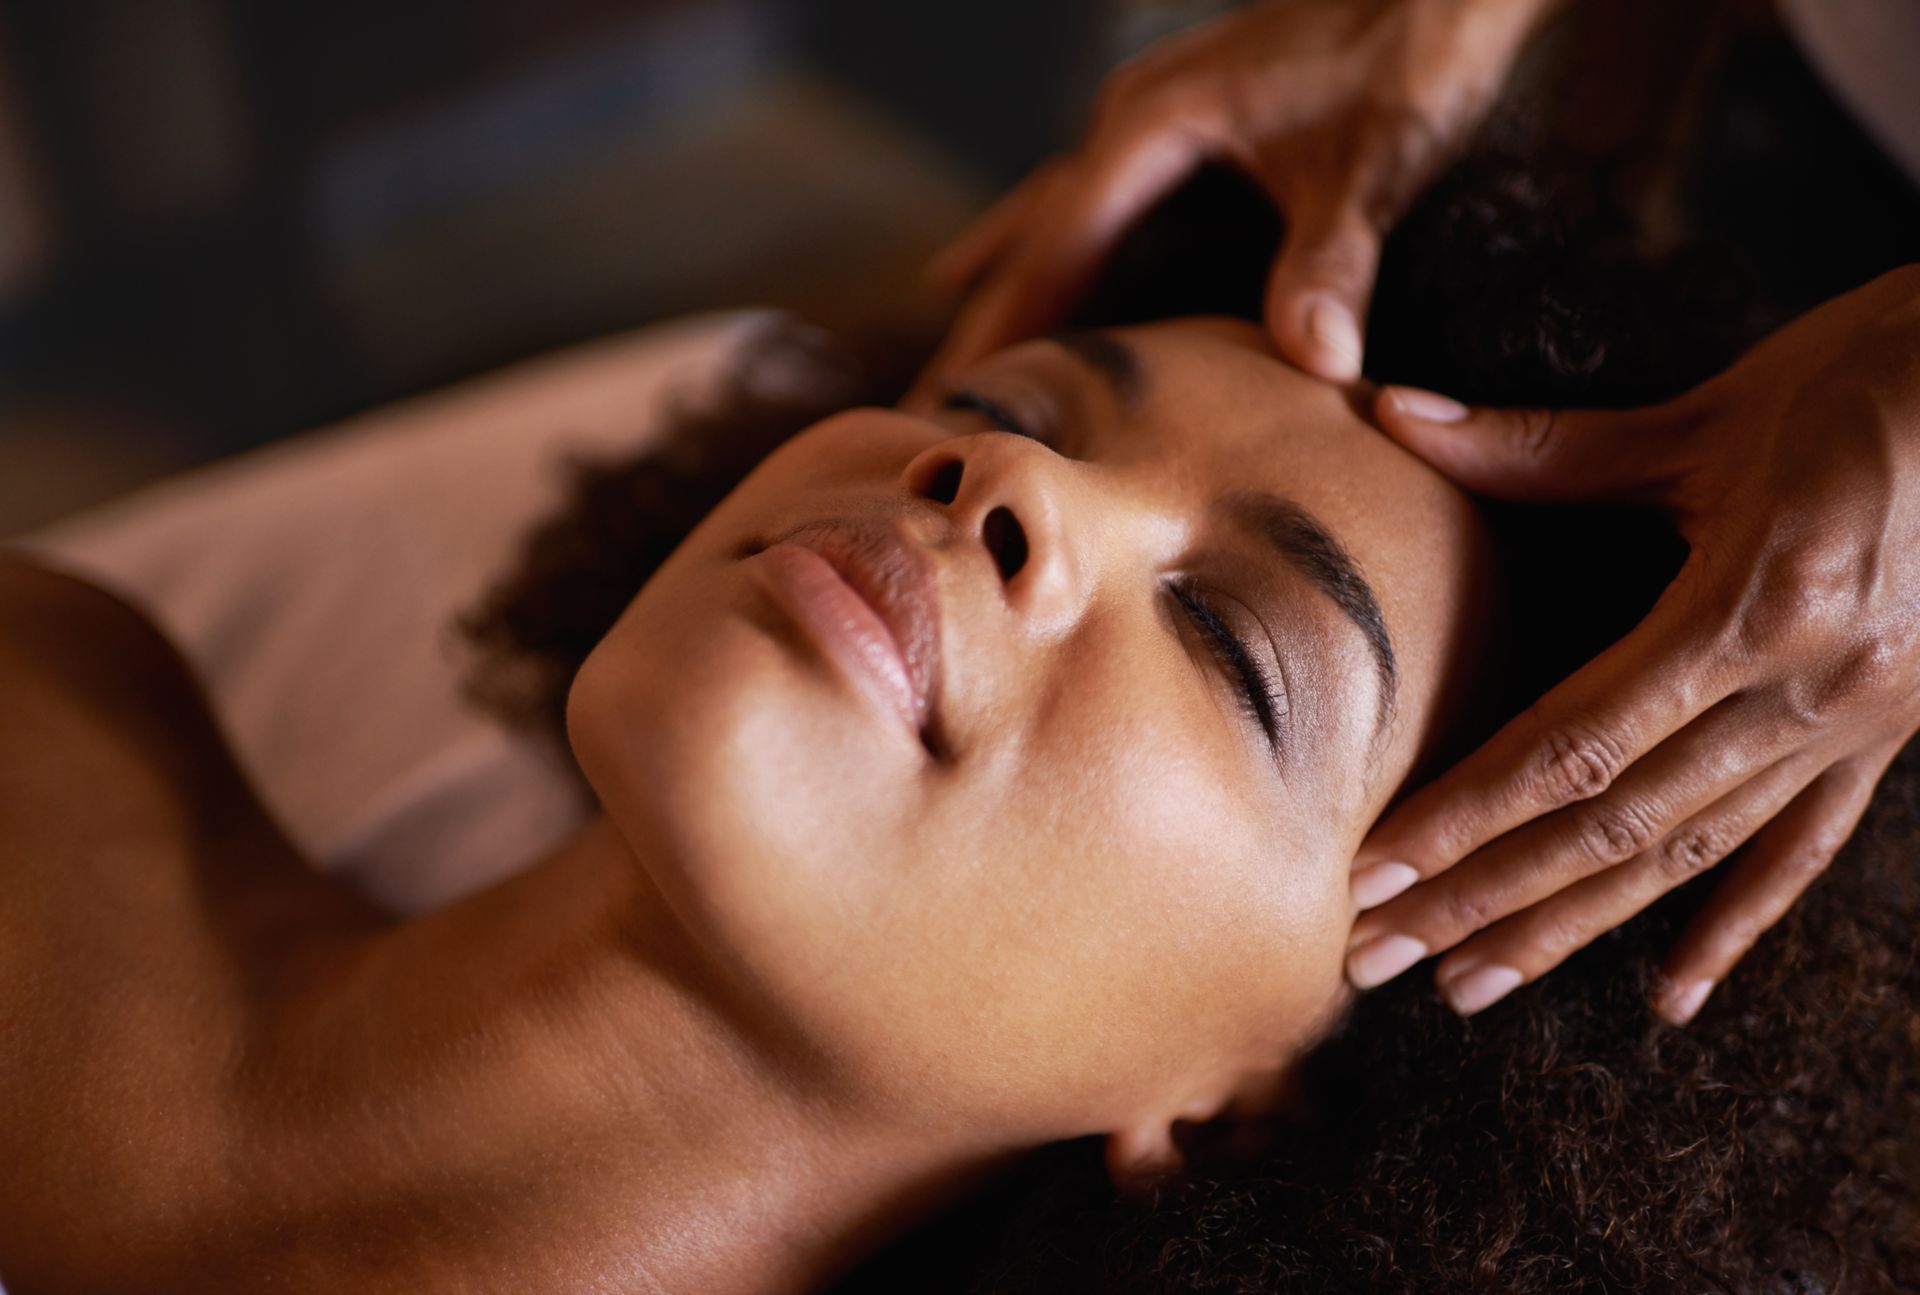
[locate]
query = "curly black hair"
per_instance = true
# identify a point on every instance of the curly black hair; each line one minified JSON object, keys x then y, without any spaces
{"x":1565,"y":1141}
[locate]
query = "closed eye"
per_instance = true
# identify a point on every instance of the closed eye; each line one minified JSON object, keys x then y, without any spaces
{"x":967,"y":401}
{"x":1257,"y":690}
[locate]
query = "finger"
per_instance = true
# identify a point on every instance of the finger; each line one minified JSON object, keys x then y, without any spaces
{"x":961,"y":263}
{"x":1543,"y":455}
{"x":1539,"y":938}
{"x":1318,"y":292}
{"x":1569,"y":746}
{"x":1064,"y":244}
{"x":1763,"y":884}
{"x":1708,"y":760}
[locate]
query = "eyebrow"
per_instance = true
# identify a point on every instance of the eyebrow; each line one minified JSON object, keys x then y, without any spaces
{"x":1111,"y":360}
{"x":1292,"y":531}
{"x":1304,"y":540}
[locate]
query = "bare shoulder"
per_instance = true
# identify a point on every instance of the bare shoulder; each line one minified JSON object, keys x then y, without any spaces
{"x":35,"y":585}
{"x":89,"y":687}
{"x":61,"y":636}
{"x":108,"y":745}
{"x":130,"y":838}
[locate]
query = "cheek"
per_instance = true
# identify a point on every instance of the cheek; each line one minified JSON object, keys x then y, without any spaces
{"x":751,"y":781}
{"x":1125,"y":907}
{"x":1100,"y":893}
{"x":705,"y":720}
{"x":760,"y":791}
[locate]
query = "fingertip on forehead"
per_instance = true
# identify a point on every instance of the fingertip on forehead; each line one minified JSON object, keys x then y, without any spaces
{"x":1228,"y":408}
{"x":1247,"y":336}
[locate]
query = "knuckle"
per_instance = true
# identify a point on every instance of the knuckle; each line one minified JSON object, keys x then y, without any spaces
{"x":1576,"y":764}
{"x":1610,"y":834}
{"x":1558,"y":935}
{"x":1469,"y":908}
{"x":1404,"y":144}
{"x":1803,"y":865}
{"x":1690,"y":851}
{"x":1871,"y":669}
{"x":1802,"y":702}
{"x":1774,"y":622}
{"x":1459,"y":834}
{"x":1797,"y":598}
{"x":1874,"y":665}
{"x":1342,"y":258}
{"x":1184,"y":100}
{"x":1533,"y":431}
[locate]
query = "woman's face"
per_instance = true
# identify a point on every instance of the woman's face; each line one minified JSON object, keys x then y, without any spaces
{"x":1101,"y":877}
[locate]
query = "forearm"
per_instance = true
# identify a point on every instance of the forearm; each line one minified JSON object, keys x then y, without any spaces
{"x":1496,"y":29}
{"x":1518,"y":17}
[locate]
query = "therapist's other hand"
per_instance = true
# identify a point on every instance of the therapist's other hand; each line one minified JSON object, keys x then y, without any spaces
{"x":1759,"y":701}
{"x":1341,"y":110}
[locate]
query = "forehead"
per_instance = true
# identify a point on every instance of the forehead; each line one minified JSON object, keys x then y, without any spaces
{"x":1217,"y":411}
{"x":1213,"y":390}
{"x":1218,"y":408}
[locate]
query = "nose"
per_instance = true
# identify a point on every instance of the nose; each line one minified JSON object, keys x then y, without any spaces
{"x":1011,"y":495}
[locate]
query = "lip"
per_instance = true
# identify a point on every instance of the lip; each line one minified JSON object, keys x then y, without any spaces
{"x":870,"y":597}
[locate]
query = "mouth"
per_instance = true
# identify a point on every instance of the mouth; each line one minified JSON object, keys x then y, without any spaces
{"x":871,"y":597}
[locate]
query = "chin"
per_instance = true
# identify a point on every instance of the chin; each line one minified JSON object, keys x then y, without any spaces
{"x":753,"y":788}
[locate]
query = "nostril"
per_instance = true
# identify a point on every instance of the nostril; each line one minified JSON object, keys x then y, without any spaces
{"x":1006,"y":541}
{"x":944,"y":485}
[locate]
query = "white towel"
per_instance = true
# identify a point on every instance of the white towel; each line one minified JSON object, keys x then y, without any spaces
{"x":1868,"y":51}
{"x":312,"y":584}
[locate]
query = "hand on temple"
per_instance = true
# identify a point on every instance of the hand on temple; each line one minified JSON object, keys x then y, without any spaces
{"x":1759,"y":701}
{"x":1342,"y":110}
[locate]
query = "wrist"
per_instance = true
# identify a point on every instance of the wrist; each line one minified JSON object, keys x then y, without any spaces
{"x":1486,"y":34}
{"x":1517,"y":18}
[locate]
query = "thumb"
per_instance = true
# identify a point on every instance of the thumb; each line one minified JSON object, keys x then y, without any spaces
{"x":1544,"y":455}
{"x":1318,"y":292}
{"x":1072,"y":220}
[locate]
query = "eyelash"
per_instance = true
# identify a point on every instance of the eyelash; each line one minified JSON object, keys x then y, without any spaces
{"x":972,"y":402}
{"x":1257,"y":691}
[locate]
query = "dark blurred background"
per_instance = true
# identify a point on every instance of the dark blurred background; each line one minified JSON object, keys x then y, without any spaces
{"x":222,"y":221}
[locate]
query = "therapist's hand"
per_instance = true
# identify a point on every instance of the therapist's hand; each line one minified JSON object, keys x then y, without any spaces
{"x":1342,"y":110}
{"x":1758,"y":702}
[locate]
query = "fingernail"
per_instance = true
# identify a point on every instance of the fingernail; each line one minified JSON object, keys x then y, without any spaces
{"x":1683,"y":1004}
{"x":1480,"y":988}
{"x":1331,"y":327}
{"x":1427,"y":406}
{"x":1374,"y":886}
{"x":1380,"y":960}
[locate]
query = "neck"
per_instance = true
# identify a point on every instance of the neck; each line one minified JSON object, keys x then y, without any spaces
{"x":549,"y":1080}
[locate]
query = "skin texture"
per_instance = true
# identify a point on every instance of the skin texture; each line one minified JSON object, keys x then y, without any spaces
{"x":1072,"y":684}
{"x":1342,"y":111}
{"x":799,"y":983}
{"x":1761,"y":699}
{"x":1691,"y":738}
